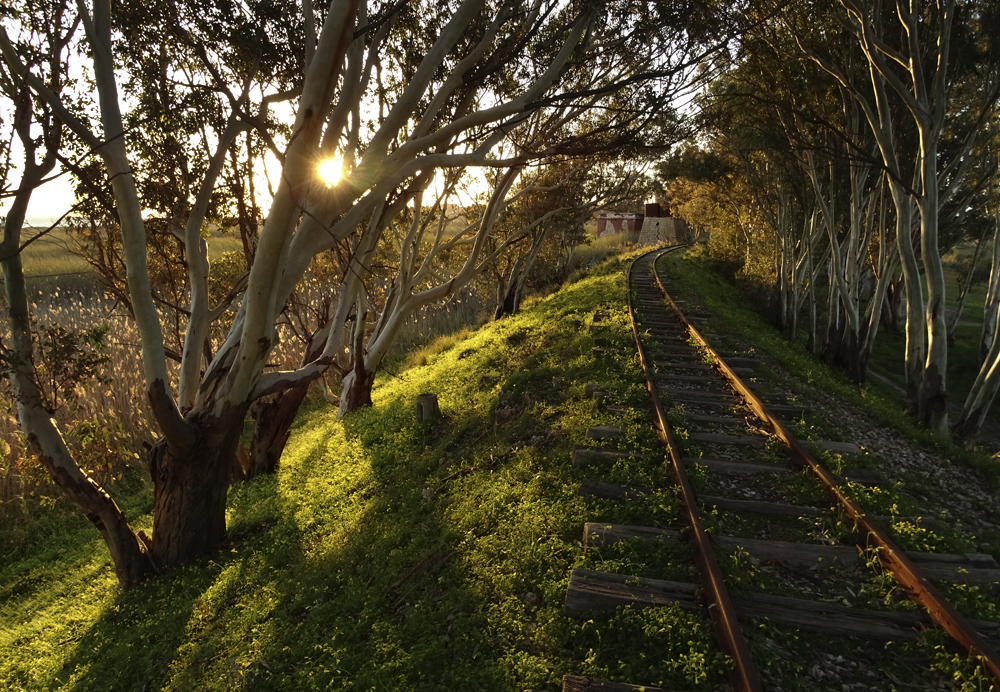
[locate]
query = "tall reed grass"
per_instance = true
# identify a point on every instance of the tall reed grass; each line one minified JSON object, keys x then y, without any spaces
{"x":597,"y":250}
{"x":107,"y":424}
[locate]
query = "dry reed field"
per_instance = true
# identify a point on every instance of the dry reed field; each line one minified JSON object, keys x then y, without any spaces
{"x":106,"y":425}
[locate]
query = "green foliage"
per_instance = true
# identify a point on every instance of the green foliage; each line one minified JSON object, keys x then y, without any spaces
{"x":742,"y":573}
{"x":881,"y":588}
{"x":666,"y":558}
{"x":911,"y":536}
{"x":662,"y":647}
{"x":964,"y":672}
{"x":66,"y":360}
{"x":972,"y":601}
{"x":227,"y":269}
{"x":101,"y":447}
{"x":384,"y":554}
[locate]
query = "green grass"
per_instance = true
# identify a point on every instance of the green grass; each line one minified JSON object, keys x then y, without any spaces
{"x":53,"y":261}
{"x":384,"y":555}
{"x":963,"y":356}
{"x":882,"y":402}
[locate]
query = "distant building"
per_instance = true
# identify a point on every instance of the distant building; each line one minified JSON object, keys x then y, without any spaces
{"x":658,"y":229}
{"x":654,"y":227}
{"x":615,"y":222}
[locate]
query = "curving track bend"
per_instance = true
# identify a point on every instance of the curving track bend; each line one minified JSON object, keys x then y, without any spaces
{"x":725,"y":418}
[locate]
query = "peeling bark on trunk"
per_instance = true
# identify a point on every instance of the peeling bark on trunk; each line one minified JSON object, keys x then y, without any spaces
{"x":509,"y":301}
{"x":357,"y":390}
{"x":855,"y":365}
{"x":933,"y":399}
{"x":273,"y":420}
{"x":893,"y":305}
{"x":189,"y":489}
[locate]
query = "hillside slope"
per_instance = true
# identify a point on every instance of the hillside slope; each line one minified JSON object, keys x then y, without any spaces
{"x":391,"y":555}
{"x":387,"y":555}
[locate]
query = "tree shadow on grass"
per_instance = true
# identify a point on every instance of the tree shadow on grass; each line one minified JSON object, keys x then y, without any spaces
{"x":384,"y":554}
{"x":338,"y":574}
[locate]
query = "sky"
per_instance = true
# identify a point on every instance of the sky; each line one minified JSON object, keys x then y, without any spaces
{"x":55,"y":197}
{"x":50,"y":201}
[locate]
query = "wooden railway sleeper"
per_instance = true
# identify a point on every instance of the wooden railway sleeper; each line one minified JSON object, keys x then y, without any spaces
{"x":910,"y":579}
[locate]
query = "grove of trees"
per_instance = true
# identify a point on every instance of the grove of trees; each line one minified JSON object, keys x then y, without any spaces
{"x":847,"y":149}
{"x":163,"y":111}
{"x":835,"y":150}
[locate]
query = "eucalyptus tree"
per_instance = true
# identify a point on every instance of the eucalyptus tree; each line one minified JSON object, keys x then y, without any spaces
{"x":747,"y":114}
{"x":835,"y":153}
{"x":617,"y":108}
{"x":704,"y":187}
{"x":547,"y":158}
{"x":991,"y":304}
{"x":396,"y":89}
{"x":420,"y":237}
{"x":47,"y":29}
{"x":984,"y":389}
{"x":566,"y":195}
{"x":817,"y":124}
{"x":914,"y":68}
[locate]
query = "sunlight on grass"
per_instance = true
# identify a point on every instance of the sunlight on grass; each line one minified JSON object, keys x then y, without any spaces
{"x":386,"y":554}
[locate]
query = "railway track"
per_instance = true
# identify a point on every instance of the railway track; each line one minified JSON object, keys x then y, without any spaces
{"x":748,"y":461}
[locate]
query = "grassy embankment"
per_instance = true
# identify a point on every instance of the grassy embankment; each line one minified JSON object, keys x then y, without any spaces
{"x":879,"y":401}
{"x":109,"y":424}
{"x":879,"y":397}
{"x":387,"y":555}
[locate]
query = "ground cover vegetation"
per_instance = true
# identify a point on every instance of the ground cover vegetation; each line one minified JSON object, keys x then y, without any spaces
{"x":240,"y":293}
{"x":849,"y":149}
{"x":384,"y":553}
{"x":930,"y":506}
{"x":163,"y":111}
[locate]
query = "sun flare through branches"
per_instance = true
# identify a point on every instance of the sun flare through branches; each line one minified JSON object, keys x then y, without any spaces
{"x":331,"y":170}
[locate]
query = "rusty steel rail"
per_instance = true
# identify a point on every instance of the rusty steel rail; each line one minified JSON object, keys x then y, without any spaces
{"x":907,"y":576}
{"x":720,"y":606}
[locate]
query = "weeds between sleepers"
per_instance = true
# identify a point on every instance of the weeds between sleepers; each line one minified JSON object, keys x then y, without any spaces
{"x":751,"y":493}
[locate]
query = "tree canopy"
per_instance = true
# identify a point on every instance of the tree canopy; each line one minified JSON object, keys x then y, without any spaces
{"x":163,"y":112}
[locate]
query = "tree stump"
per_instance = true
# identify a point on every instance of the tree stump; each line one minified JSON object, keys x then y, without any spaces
{"x":427,"y":407}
